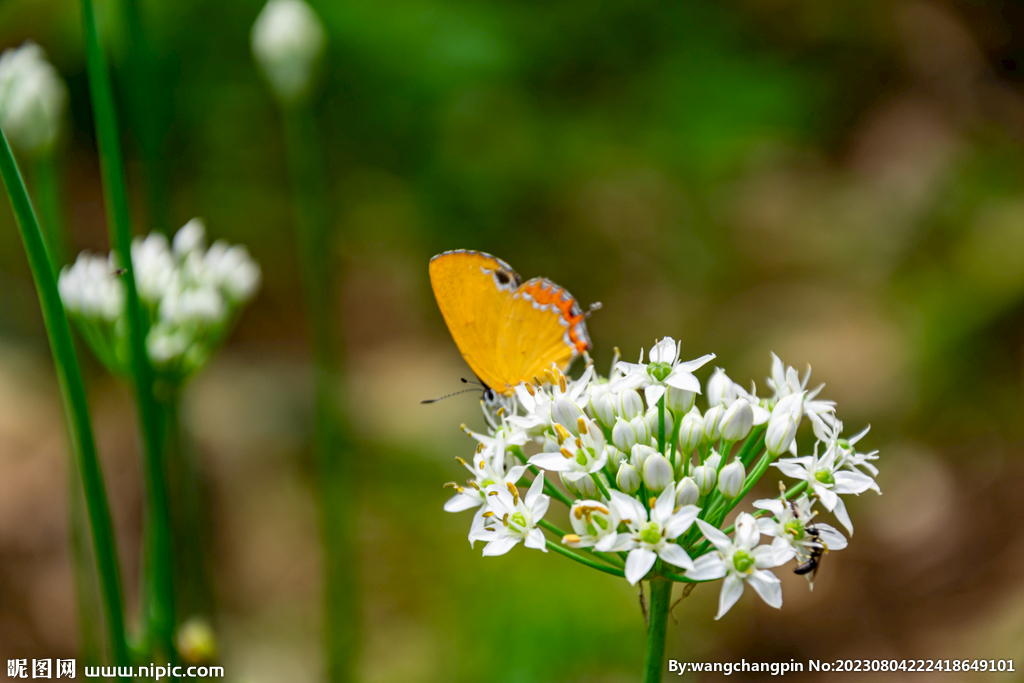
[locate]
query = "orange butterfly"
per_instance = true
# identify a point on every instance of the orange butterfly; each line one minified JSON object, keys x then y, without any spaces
{"x":507,"y":330}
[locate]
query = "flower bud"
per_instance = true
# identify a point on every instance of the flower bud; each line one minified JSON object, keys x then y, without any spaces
{"x":584,"y":487}
{"x":643,"y":429}
{"x":705,"y":476}
{"x":687,"y":492}
{"x":713,"y":423}
{"x":33,"y":99}
{"x":719,"y":389}
{"x":603,"y":408}
{"x":679,"y":401}
{"x":737,"y":420}
{"x":653,"y":418}
{"x":639,"y":455}
{"x":780,"y":433}
{"x":628,"y":404}
{"x":623,"y":435}
{"x":657,"y":473}
{"x":567,"y":414}
{"x":287,"y":41}
{"x":691,"y":431}
{"x":730,"y":479}
{"x":197,"y":643}
{"x":628,"y":479}
{"x":615,"y":456}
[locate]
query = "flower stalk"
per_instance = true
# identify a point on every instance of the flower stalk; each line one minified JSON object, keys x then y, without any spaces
{"x":657,"y":627}
{"x":76,"y":408}
{"x":159,"y":586}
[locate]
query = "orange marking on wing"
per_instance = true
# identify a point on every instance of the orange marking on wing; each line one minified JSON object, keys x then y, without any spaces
{"x":547,"y":292}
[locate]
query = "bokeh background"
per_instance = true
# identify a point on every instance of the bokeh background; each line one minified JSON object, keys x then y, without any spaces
{"x":841,"y":182}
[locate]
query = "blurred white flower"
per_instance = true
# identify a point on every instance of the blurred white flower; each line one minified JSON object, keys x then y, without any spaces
{"x":90,"y":288}
{"x":33,"y":98}
{"x":664,"y":370}
{"x":287,"y":41}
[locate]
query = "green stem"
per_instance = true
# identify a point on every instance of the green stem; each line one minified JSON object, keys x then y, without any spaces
{"x":583,"y":560}
{"x":610,"y":559}
{"x":76,"y":407}
{"x":674,"y":439}
{"x":661,"y":422}
{"x":657,"y":626}
{"x":51,"y":212}
{"x":159,"y":591}
{"x":752,"y":446}
{"x":333,"y":442}
{"x":600,"y":485}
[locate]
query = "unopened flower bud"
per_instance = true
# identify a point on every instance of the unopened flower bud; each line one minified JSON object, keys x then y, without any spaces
{"x":584,"y":487}
{"x":691,"y":431}
{"x":623,"y":435}
{"x":603,"y":408}
{"x":567,"y":414}
{"x":737,"y":420}
{"x":679,"y":400}
{"x":615,"y":456}
{"x":628,"y":404}
{"x":780,"y":433}
{"x":287,"y":41}
{"x":628,"y":479}
{"x":643,"y":429}
{"x":713,"y":423}
{"x":720,"y":389}
{"x":197,"y":643}
{"x":653,"y":418}
{"x":639,"y":454}
{"x":705,"y":477}
{"x":687,"y":492}
{"x":33,"y":99}
{"x":657,"y":473}
{"x":730,"y":479}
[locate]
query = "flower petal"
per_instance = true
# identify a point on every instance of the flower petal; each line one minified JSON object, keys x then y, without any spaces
{"x":842,"y":515}
{"x":536,"y":489}
{"x":681,"y":379}
{"x":775,"y":505}
{"x":682,"y":520}
{"x":717,"y":538}
{"x":673,"y":554}
{"x":535,"y":540}
{"x":462,"y":501}
{"x":707,"y":567}
{"x":638,"y":563}
{"x":732,"y":589}
{"x":691,"y":365}
{"x":555,"y":462}
{"x":832,"y":539}
{"x":767,"y":586}
{"x":500,"y":546}
{"x":852,"y":482}
{"x":653,"y":394}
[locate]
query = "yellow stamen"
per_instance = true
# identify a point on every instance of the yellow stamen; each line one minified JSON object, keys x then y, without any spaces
{"x":567,"y":453}
{"x":652,"y":501}
{"x":530,"y":389}
{"x":514,"y":491}
{"x":461,"y":461}
{"x":561,"y":382}
{"x":489,"y":513}
{"x":570,"y":538}
{"x":581,"y":425}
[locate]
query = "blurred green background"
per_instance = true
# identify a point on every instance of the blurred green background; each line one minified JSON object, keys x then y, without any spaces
{"x":839,"y":182}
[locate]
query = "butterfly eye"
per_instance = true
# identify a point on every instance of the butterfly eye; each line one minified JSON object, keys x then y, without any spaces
{"x":489,"y":396}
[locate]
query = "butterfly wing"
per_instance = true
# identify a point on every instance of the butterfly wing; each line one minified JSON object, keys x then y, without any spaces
{"x":471,"y":289}
{"x":541,"y":324}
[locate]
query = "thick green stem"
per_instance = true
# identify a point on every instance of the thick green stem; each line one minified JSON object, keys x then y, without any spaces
{"x":333,"y":443}
{"x":159,"y":591}
{"x":657,"y":626}
{"x":661,"y":424}
{"x":76,"y":407}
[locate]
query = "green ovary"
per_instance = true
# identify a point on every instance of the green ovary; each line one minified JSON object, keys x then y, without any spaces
{"x":825,"y":477}
{"x":659,"y":371}
{"x":795,"y":529}
{"x":652,"y":534}
{"x":743,"y":561}
{"x":518,"y":519}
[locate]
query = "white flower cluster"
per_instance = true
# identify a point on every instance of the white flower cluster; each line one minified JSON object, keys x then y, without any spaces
{"x":191,"y":296}
{"x":287,"y":41}
{"x":33,"y":98}
{"x":650,"y":478}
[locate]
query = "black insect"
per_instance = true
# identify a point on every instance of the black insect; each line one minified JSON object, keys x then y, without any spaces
{"x":817,"y":551}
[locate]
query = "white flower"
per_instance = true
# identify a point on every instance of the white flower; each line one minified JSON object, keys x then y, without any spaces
{"x":578,"y":457}
{"x":706,"y":475}
{"x":154,"y":266}
{"x":713,"y":422}
{"x":730,"y":479}
{"x":287,"y":41}
{"x":848,"y":458}
{"x":189,"y":238}
{"x":539,"y":402}
{"x":646,"y":540}
{"x":792,"y":522}
{"x":826,"y":480}
{"x":652,"y":418}
{"x":740,"y":561}
{"x":166,"y":343}
{"x":680,"y":400}
{"x":602,"y":406}
{"x":231,"y":268}
{"x":639,"y":454}
{"x":785,"y":381}
{"x":664,"y":370}
{"x":90,"y":288}
{"x":510,"y":519}
{"x":627,"y":403}
{"x":721,"y":390}
{"x":33,"y":98}
{"x":595,"y":524}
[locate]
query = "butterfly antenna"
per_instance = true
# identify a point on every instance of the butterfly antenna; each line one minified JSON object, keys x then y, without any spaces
{"x":596,"y":306}
{"x":472,"y":381}
{"x":441,"y":398}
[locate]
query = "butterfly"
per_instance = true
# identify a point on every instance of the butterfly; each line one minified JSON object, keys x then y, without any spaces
{"x":509,"y":331}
